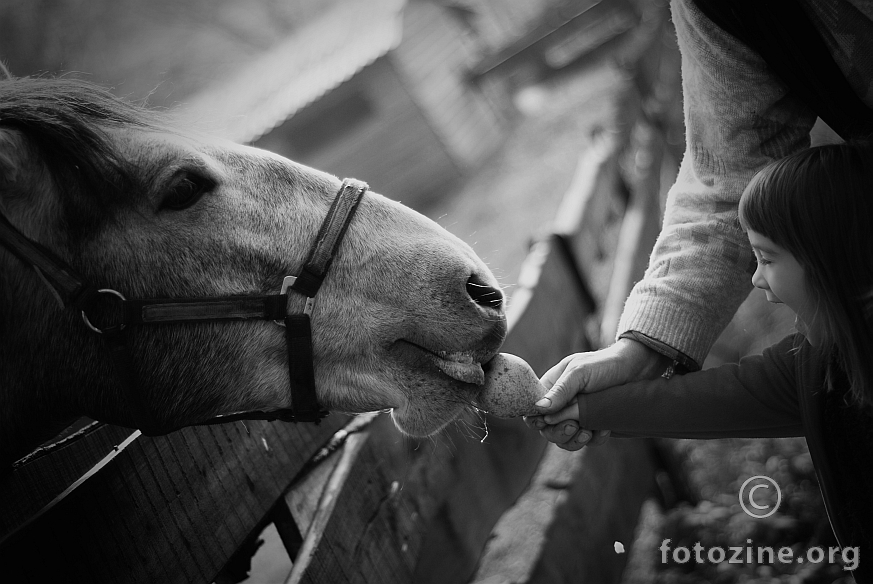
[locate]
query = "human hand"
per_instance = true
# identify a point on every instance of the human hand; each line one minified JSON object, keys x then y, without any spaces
{"x":626,"y":360}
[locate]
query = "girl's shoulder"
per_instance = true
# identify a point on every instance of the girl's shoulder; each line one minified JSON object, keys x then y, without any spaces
{"x":805,"y":365}
{"x":791,"y":345}
{"x":795,"y":353}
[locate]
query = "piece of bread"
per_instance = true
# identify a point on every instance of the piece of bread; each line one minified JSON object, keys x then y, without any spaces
{"x":511,"y":387}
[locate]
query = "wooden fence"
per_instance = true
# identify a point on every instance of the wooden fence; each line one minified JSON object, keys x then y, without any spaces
{"x":351,"y":499}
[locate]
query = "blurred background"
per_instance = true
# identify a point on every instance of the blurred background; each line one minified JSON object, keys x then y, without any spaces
{"x":420,"y":98}
{"x":409,"y":94}
{"x":474,"y":112}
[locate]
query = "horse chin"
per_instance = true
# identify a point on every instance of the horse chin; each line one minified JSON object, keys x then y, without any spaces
{"x":436,"y":385}
{"x":420,"y":418}
{"x":420,"y":424}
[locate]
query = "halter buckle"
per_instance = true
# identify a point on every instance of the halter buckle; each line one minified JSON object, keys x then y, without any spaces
{"x":287,"y":283}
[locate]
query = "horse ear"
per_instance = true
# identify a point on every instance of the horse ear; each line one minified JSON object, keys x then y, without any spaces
{"x":7,"y":145}
{"x":13,"y":155}
{"x":21,"y":172}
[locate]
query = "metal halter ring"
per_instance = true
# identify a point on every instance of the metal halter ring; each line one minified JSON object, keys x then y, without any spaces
{"x":103,"y":291}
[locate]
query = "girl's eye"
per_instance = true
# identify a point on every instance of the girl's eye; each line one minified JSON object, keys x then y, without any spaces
{"x":763,"y":262}
{"x":186,"y":190}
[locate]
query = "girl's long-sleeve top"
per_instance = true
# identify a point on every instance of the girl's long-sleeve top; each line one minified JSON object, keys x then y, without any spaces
{"x":780,"y":393}
{"x":757,"y":398}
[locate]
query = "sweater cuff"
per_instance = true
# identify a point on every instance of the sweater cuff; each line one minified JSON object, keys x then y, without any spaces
{"x":669,"y":329}
{"x":682,"y":363}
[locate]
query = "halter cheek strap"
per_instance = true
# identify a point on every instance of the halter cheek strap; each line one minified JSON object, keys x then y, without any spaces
{"x":74,"y":292}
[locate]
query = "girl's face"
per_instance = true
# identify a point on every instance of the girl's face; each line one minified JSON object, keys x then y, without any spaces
{"x":782,"y":279}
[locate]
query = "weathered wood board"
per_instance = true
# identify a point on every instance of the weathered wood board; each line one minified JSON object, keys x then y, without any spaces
{"x":167,"y":509}
{"x":46,"y":474}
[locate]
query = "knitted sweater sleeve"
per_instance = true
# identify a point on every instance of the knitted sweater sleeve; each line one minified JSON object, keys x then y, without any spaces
{"x":737,"y":119}
{"x":757,"y":398}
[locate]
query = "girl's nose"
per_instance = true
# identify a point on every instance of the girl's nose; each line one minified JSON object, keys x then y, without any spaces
{"x":758,"y":280}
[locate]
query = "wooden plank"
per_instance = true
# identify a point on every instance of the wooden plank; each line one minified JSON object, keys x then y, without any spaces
{"x":302,"y":499}
{"x":547,"y":319}
{"x":640,"y":227}
{"x":326,"y":505}
{"x":204,"y":463}
{"x":171,"y":532}
{"x":372,"y":534}
{"x":602,"y":493}
{"x":607,"y":485}
{"x":559,"y":535}
{"x":601,"y":505}
{"x":287,"y":528}
{"x":595,"y":201}
{"x":44,"y":476}
{"x":548,"y":310}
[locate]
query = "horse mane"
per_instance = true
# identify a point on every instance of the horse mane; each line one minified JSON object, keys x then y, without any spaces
{"x":64,"y":174}
{"x":66,"y":121}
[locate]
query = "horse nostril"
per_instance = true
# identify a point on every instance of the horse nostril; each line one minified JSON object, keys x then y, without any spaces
{"x":483,"y":294}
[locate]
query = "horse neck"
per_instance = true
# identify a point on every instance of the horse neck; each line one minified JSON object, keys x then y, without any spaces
{"x":47,"y":376}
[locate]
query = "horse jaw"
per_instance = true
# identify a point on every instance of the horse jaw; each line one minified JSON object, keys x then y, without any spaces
{"x":417,"y":338}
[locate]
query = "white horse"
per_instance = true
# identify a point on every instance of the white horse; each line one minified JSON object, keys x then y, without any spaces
{"x":405,"y":318}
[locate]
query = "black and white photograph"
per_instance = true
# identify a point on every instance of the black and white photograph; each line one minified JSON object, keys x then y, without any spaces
{"x":436,"y":291}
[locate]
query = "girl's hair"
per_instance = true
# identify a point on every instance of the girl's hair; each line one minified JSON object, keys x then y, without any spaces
{"x":818,"y":205}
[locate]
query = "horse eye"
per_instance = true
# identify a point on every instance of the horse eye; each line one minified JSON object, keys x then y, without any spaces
{"x":186,"y":191}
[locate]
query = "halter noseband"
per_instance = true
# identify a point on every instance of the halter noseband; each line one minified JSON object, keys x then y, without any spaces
{"x":75,"y":292}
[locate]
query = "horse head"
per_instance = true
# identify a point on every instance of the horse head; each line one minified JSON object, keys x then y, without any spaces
{"x":404,"y":319}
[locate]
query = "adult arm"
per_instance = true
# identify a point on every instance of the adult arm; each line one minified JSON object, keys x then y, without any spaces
{"x":737,"y":119}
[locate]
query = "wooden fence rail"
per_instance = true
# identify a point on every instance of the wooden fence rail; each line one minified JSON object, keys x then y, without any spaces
{"x":351,"y":499}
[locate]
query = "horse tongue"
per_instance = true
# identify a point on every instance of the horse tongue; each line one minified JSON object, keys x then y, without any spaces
{"x":465,"y":372}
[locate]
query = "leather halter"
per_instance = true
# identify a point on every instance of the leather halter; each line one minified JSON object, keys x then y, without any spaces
{"x":76,"y":293}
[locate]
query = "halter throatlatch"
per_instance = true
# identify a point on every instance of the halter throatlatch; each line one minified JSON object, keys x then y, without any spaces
{"x":74,"y":292}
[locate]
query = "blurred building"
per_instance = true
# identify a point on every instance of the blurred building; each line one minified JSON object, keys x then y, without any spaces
{"x":408,"y":95}
{"x":376,"y":90}
{"x":559,"y":37}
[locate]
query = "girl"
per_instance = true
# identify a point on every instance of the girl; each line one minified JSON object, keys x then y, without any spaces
{"x":808,"y":218}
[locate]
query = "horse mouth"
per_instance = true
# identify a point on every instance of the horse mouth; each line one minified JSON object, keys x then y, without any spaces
{"x":460,"y":366}
{"x":463,"y":366}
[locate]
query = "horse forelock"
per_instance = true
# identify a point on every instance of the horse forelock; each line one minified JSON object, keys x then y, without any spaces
{"x":67,"y":122}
